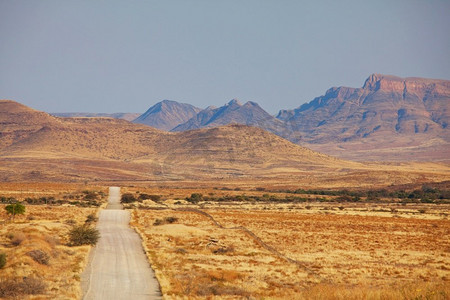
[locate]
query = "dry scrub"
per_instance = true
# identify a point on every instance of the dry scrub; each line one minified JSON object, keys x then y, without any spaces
{"x":287,"y":251}
{"x":38,"y":260}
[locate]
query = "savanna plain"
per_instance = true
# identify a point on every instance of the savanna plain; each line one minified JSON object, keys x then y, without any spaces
{"x":239,"y":241}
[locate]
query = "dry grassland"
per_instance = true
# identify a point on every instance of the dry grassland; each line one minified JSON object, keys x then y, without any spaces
{"x":298,"y":251}
{"x":22,"y":190}
{"x":38,"y":259}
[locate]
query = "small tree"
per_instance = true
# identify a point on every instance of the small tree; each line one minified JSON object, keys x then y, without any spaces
{"x":15,"y":209}
{"x":195,"y":198}
{"x":83,"y":235}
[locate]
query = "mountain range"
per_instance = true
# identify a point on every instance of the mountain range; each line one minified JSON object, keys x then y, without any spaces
{"x":35,"y":146}
{"x":388,"y":118}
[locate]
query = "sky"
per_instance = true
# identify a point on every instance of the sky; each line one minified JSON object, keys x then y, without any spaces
{"x":125,"y":56}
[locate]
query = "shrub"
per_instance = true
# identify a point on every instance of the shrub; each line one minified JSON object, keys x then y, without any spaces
{"x":91,"y":218}
{"x":70,"y":222}
{"x":52,"y":240}
{"x":167,"y":220}
{"x":223,"y":250}
{"x":127,"y":198}
{"x":83,"y":235}
{"x":210,"y":289}
{"x":155,"y":198}
{"x":33,"y":286}
{"x":13,"y":288}
{"x":17,"y":238}
{"x":195,"y":198}
{"x":90,"y":195}
{"x":39,"y":256}
{"x":170,"y":220}
{"x":2,"y":260}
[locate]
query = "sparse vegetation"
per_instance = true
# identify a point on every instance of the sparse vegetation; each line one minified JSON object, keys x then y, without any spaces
{"x":17,"y":238}
{"x":39,"y":256}
{"x":35,"y":245}
{"x":14,"y":288}
{"x":155,"y":198}
{"x":195,"y":198}
{"x":128,"y":198}
{"x":2,"y":260}
{"x":91,"y":219}
{"x":313,"y":241}
{"x":83,"y":235}
{"x":317,"y":236}
{"x":15,"y":209}
{"x":166,"y":220}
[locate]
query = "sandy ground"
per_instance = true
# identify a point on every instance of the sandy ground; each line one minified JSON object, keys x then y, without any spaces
{"x":118,"y":267}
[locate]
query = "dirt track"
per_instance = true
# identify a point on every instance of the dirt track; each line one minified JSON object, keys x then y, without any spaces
{"x":118,"y":267}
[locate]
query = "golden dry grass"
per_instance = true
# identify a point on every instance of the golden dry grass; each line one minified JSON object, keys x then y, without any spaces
{"x":291,"y":252}
{"x":44,"y":228}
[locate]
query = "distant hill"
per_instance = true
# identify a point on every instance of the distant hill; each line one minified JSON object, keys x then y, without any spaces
{"x":250,"y":114}
{"x":124,"y":116}
{"x":167,"y":114}
{"x":35,"y":146}
{"x":33,"y":142}
{"x":388,"y":118}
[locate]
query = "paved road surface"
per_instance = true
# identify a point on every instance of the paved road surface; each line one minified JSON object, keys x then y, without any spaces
{"x":118,"y":267}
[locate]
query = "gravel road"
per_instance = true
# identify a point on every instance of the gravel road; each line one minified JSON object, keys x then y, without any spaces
{"x":118,"y":267}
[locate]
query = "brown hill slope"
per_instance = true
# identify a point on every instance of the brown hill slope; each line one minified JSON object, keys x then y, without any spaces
{"x":226,"y":150}
{"x":125,"y":116}
{"x":18,"y":121}
{"x":388,"y":118}
{"x":46,"y":148}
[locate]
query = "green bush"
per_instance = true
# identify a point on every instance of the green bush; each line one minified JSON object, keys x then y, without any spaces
{"x":15,"y":209}
{"x":2,"y":260}
{"x":195,"y":198}
{"x":83,"y":235}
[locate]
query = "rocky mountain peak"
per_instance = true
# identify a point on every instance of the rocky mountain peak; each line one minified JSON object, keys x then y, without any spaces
{"x":377,"y":82}
{"x":235,"y":102}
{"x":167,"y":114}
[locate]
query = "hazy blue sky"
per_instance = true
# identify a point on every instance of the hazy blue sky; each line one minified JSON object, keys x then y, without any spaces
{"x":124,"y":56}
